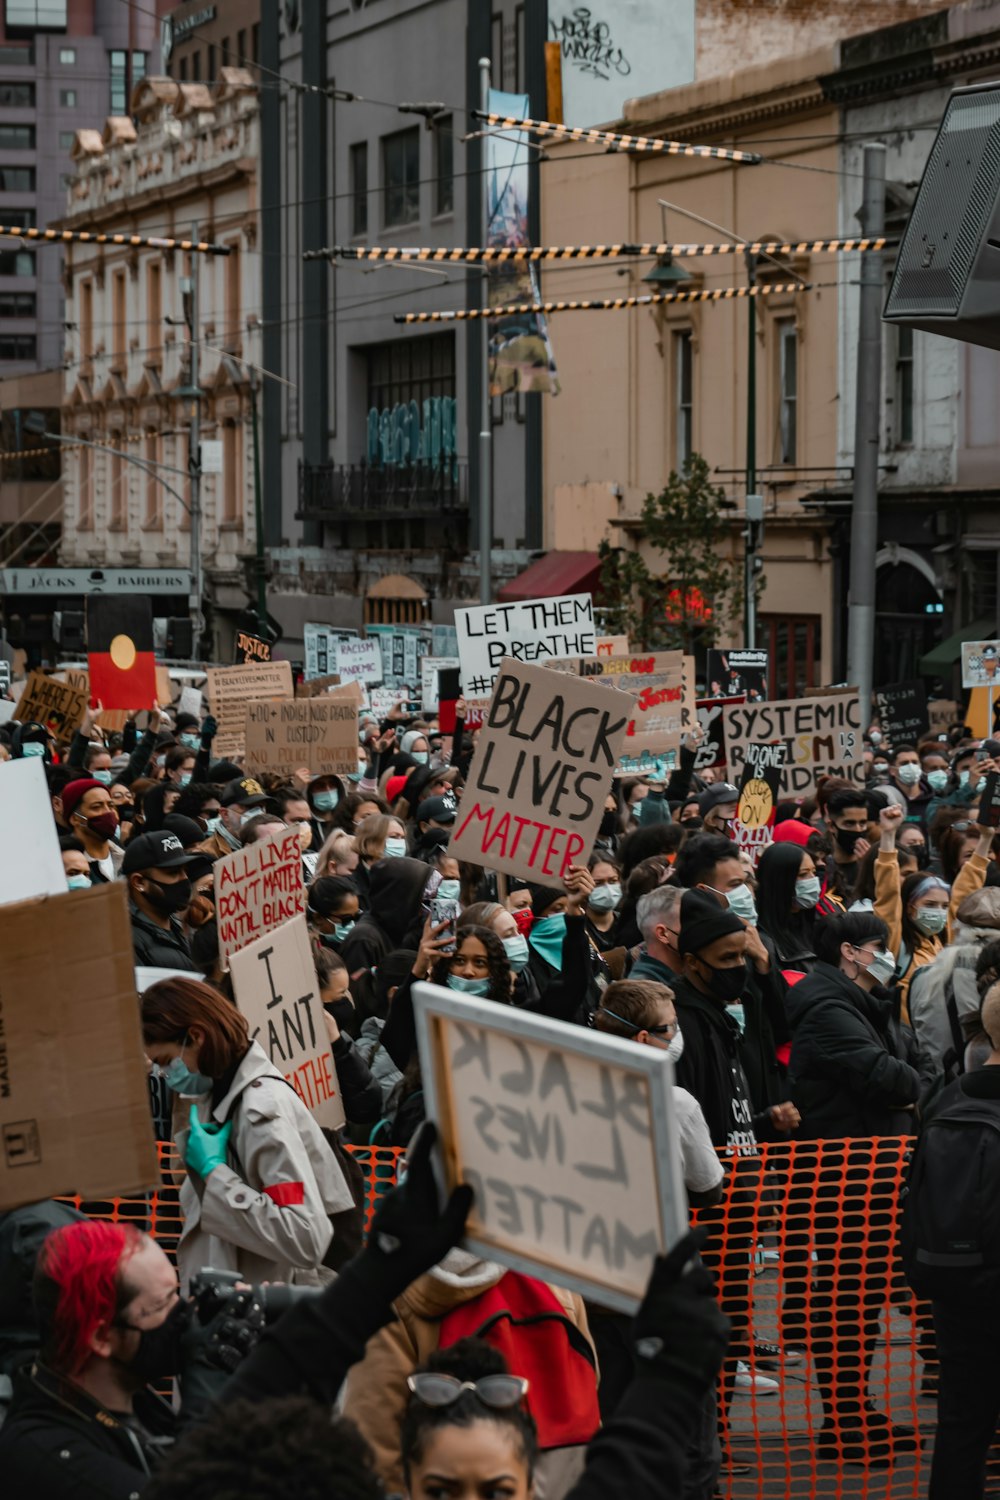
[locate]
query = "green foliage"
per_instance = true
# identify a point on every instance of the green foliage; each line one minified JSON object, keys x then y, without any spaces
{"x":660,"y":609}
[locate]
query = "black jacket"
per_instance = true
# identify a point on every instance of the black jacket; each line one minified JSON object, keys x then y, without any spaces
{"x":395,"y":920}
{"x":711,"y":1070}
{"x":845,"y":1074}
{"x":158,"y":947}
{"x":360,"y":1092}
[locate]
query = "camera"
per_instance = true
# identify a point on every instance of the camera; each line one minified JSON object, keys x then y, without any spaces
{"x":214,"y":1292}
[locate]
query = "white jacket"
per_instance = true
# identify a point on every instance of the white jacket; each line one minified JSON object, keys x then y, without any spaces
{"x":266,"y":1213}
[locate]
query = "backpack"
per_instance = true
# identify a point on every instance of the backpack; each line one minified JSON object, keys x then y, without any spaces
{"x":950,"y":1229}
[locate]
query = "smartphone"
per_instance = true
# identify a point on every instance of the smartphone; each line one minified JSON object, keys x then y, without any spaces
{"x":982,"y":753}
{"x":446,"y":909}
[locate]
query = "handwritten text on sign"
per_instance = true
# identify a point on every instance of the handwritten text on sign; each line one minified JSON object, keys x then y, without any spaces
{"x":320,"y":733}
{"x":821,"y":736}
{"x":534,"y":630}
{"x":567,"y":1143}
{"x":257,"y":889}
{"x":541,"y":772}
{"x":274,"y":980}
{"x":57,"y":705}
{"x":229,"y":691}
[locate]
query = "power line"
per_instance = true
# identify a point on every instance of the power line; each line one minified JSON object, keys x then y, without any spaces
{"x":608,"y":304}
{"x":402,"y":254}
{"x":95,"y":237}
{"x":612,"y":138}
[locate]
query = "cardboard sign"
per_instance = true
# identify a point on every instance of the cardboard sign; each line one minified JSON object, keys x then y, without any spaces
{"x":711,"y":718}
{"x":257,"y":889}
{"x":981,"y":664}
{"x":431,"y":669}
{"x":729,"y":674}
{"x":822,"y":737}
{"x":315,"y":687}
{"x":533,"y":802}
{"x":532,"y":631}
{"x":321,"y":733}
{"x":274,"y":980}
{"x":4,"y":674}
{"x":74,"y":1106}
{"x":662,"y":687}
{"x":230,"y":689}
{"x":942,"y":713}
{"x":613,"y":645}
{"x":902,"y":712}
{"x":190,"y":702}
{"x":760,"y":788}
{"x":36,"y":867}
{"x":250,"y":648}
{"x":566,"y":1135}
{"x":57,"y":705}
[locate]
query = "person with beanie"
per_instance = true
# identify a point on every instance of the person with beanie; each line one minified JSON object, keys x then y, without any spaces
{"x":91,"y":818}
{"x":559,"y":952}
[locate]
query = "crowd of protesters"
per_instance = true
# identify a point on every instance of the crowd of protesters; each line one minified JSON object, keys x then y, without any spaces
{"x":819,"y":995}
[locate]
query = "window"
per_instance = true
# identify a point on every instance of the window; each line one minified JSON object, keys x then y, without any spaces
{"x":17,"y":262}
{"x":401,"y":177}
{"x":119,"y":332}
{"x":196,"y":67}
{"x":119,"y":82}
{"x":795,"y":646}
{"x":18,"y":304}
{"x":67,"y":56}
{"x":85,"y":477}
{"x":904,"y":385}
{"x":66,"y":139}
{"x":410,"y":370}
{"x":17,"y":179}
{"x":224,"y":50}
{"x":683,"y":407}
{"x":18,"y":137}
{"x":19,"y":218}
{"x":119,"y":485}
{"x":17,"y":57}
{"x":38,"y":15}
{"x":153,"y":517}
{"x":154,"y":313}
{"x":182,"y":68}
{"x":17,"y":95}
{"x":359,"y":188}
{"x":18,"y":346}
{"x":255,"y":42}
{"x":233,"y":328}
{"x":241,"y":49}
{"x":138,"y":67}
{"x":444,"y":165}
{"x":788,"y":378}
{"x":86,"y":319}
{"x":210,"y":75}
{"x":67,"y":98}
{"x":232,"y":510}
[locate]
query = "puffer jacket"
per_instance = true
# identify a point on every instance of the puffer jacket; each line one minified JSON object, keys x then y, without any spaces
{"x":889,"y":906}
{"x":951,"y":976}
{"x":266,"y":1212}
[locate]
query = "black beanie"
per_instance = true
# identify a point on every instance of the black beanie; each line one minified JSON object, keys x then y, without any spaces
{"x":703,"y":920}
{"x":542,"y":897}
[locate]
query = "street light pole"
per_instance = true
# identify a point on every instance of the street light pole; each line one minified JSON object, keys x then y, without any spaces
{"x":191,"y":317}
{"x":486,"y":410}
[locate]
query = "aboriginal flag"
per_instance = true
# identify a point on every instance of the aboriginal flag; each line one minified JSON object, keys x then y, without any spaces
{"x":120,"y":652}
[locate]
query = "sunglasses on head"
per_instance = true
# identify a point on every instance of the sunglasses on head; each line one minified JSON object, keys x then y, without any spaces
{"x":500,"y":1392}
{"x":669,"y":1030}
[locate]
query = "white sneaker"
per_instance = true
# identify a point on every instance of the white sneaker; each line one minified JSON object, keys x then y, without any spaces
{"x":761,"y":1385}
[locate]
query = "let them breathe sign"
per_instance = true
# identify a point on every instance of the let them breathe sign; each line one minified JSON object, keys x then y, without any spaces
{"x":567,"y":1137}
{"x":532,"y":631}
{"x":540,"y":774}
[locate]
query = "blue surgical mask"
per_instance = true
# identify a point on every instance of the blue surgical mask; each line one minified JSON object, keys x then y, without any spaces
{"x":468,"y":986}
{"x":104,"y":777}
{"x":179,"y":1077}
{"x":394,"y":849}
{"x":250,"y":812}
{"x":735,"y":1009}
{"x":326,"y":799}
{"x":342,"y":930}
{"x":184,"y":779}
{"x":213,"y":825}
{"x":32,"y":748}
{"x":909,"y":774}
{"x":881,"y":966}
{"x":191,"y":741}
{"x":420,"y":756}
{"x":742,"y":904}
{"x":937,"y":780}
{"x":981,"y":784}
{"x":605,"y":897}
{"x":807,"y":892}
{"x":963,"y":778}
{"x":930,"y":920}
{"x":516,"y":949}
{"x":449,"y":890}
{"x":78,"y":882}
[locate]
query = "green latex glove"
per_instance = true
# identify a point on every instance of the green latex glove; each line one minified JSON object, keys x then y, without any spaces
{"x":206,"y":1145}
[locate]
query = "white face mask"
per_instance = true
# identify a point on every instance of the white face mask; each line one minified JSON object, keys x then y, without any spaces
{"x":909,"y":774}
{"x":676,"y":1049}
{"x":742,"y":904}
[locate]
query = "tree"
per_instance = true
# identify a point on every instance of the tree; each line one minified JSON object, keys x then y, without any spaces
{"x":695,"y":595}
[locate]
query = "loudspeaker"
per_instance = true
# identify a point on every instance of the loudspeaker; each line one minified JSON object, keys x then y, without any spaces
{"x":947,"y":276}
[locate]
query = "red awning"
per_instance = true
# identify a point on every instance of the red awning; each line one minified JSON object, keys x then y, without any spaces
{"x":554,"y":574}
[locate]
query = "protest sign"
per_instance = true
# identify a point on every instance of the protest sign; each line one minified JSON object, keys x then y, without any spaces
{"x":760,"y":786}
{"x":902,"y":712}
{"x":542,"y":768}
{"x":358,"y":660}
{"x":321,"y":733}
{"x":7,"y":707}
{"x":257,"y":889}
{"x":531,"y":631}
{"x":320,"y":648}
{"x":386,"y":701}
{"x":822,"y":737}
{"x":981,"y":664}
{"x":403,"y":649}
{"x":230,"y":689}
{"x":315,"y":687}
{"x":613,"y":645}
{"x":431,"y":669}
{"x":250,"y":648}
{"x":731,"y":673}
{"x":712,"y":750}
{"x":190,"y":702}
{"x":36,"y":868}
{"x":661,"y":684}
{"x":566,"y":1135}
{"x":57,"y":705}
{"x":70,"y":1018}
{"x":274,"y":980}
{"x":942,"y":713}
{"x":989,"y":802}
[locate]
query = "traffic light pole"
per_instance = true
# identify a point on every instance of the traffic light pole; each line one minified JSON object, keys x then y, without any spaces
{"x":194,"y":453}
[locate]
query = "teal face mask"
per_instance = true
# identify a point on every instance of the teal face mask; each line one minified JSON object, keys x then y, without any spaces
{"x":342,"y":930}
{"x":937,"y":780}
{"x":468,"y":986}
{"x":104,"y":777}
{"x":930,"y":920}
{"x":394,"y":849}
{"x":325,"y":800}
{"x":546,"y":937}
{"x":185,"y":779}
{"x":191,"y":741}
{"x":449,"y":890}
{"x":516,"y":949}
{"x":179,"y":1077}
{"x":420,"y":756}
{"x":34,"y":748}
{"x":78,"y":882}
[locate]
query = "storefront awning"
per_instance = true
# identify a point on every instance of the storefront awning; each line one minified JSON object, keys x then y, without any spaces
{"x":554,"y":574}
{"x":943,"y":657}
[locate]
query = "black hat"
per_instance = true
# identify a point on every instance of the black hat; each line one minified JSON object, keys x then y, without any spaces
{"x":542,"y":897}
{"x":437,"y":809}
{"x":717,"y":796}
{"x":703,"y":921}
{"x":185,"y":721}
{"x":223,"y":770}
{"x":155,"y":851}
{"x":244,"y":791}
{"x":187,"y":830}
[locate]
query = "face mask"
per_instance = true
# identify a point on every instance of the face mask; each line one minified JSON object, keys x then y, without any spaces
{"x":342,"y":930}
{"x":215,"y":825}
{"x":676,"y":1049}
{"x":159,"y":1351}
{"x":554,"y":926}
{"x":742,"y":904}
{"x":807,"y":892}
{"x":738,"y":1014}
{"x":937,"y":780}
{"x":909,"y":774}
{"x":608,"y":825}
{"x":394,"y":849}
{"x":468,"y":986}
{"x":326,"y":799}
{"x":449,"y":890}
{"x":881,"y":966}
{"x":726,"y":984}
{"x":250,"y":812}
{"x":184,"y":779}
{"x":963,"y":778}
{"x":605,"y":897}
{"x":420,"y":756}
{"x":180,"y":1078}
{"x":880,"y":767}
{"x":981,"y":784}
{"x":104,"y":777}
{"x":516,"y":949}
{"x":361,"y":771}
{"x":191,"y":741}
{"x":930,"y":920}
{"x":104,"y":825}
{"x":125,"y":813}
{"x":168,"y":898}
{"x":305,"y":835}
{"x":847,"y":838}
{"x":33,"y":749}
{"x":920,"y":853}
{"x":876,"y":737}
{"x":341,"y":1010}
{"x":78,"y":882}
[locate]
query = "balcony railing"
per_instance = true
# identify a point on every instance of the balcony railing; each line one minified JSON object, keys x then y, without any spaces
{"x":336,"y":492}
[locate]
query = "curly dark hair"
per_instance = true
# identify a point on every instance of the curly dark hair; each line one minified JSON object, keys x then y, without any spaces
{"x":499,"y":965}
{"x":469,"y":1359}
{"x":250,"y":1450}
{"x":347,"y":809}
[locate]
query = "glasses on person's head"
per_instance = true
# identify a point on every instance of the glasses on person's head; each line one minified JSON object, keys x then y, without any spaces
{"x":669,"y":1030}
{"x":960,"y":827}
{"x":500,"y":1392}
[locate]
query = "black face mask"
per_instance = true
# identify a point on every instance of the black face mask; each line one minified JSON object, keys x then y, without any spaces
{"x":609,"y":823}
{"x":691,"y":824}
{"x":726,"y":985}
{"x":342,"y":1012}
{"x":159,"y":1352}
{"x":168,"y":898}
{"x":921,"y":853}
{"x":125,"y":814}
{"x":847,"y":838}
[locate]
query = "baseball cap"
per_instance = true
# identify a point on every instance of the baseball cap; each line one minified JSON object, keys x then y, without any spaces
{"x":716,"y":796}
{"x":245,"y":791}
{"x":437,"y":810}
{"x":155,"y":851}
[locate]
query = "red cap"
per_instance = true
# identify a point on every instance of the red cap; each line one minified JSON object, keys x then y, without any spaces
{"x":74,"y":791}
{"x":394,"y":788}
{"x":793,"y":831}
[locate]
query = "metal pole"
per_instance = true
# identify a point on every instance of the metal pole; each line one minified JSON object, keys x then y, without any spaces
{"x":259,"y":514}
{"x":486,"y":416}
{"x":749,"y":551}
{"x":864,"y":514}
{"x":194,"y":457}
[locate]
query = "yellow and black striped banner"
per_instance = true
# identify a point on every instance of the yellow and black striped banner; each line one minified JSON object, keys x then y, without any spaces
{"x":603,"y":304}
{"x":612,"y":138}
{"x":491,"y":256}
{"x":92,"y":237}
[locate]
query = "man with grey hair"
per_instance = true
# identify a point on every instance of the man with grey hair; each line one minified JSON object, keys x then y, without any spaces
{"x":658,"y":916}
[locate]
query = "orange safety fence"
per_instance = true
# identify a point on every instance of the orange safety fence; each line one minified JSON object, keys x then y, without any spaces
{"x":828,"y":1393}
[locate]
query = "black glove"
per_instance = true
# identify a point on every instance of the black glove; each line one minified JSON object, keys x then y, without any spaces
{"x":681,"y":1334}
{"x":226,"y":1329}
{"x":209,"y":729}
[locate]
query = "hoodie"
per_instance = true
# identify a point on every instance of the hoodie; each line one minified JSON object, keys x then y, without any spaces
{"x":396,"y":892}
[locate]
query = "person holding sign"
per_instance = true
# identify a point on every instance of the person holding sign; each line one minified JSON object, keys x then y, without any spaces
{"x":261,"y":1180}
